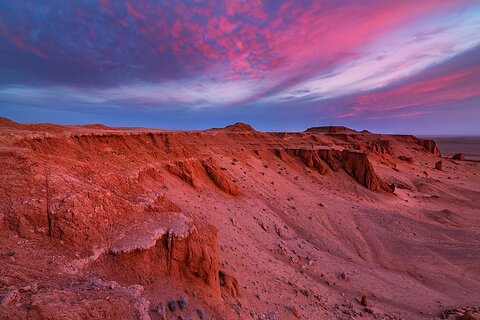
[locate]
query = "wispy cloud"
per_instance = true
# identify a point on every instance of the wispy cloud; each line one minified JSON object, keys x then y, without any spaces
{"x":350,"y":59}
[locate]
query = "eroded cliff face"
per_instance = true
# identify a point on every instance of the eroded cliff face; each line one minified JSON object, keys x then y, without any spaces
{"x":168,"y":244}
{"x":358,"y":166}
{"x":99,"y":198}
{"x":355,"y":163}
{"x":427,"y":144}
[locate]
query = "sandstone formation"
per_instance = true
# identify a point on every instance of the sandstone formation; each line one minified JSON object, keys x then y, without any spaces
{"x":310,"y":158}
{"x":355,"y":163}
{"x":185,"y":170}
{"x":431,"y":147}
{"x":358,"y":166}
{"x":219,"y":178}
{"x":169,"y":244}
{"x":99,"y":222}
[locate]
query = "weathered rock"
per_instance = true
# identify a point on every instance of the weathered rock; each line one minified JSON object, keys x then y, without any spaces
{"x":380,"y":146}
{"x":358,"y":166}
{"x":406,"y":159}
{"x":327,"y":156}
{"x":220,"y":178}
{"x":294,"y":311}
{"x":185,"y":170}
{"x":364,"y":301}
{"x":173,"y":245}
{"x":310,"y":158}
{"x":343,"y":276}
{"x":229,"y":283}
{"x":431,"y":147}
{"x":459,"y":156}
{"x":439,"y":165}
{"x":281,"y":153}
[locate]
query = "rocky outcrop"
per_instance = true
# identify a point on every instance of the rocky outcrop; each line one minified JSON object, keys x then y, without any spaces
{"x":380,"y":146}
{"x":229,"y":283}
{"x":171,"y":244}
{"x":327,"y":155}
{"x":310,"y":158}
{"x":405,"y":158}
{"x":192,"y":172}
{"x":431,"y":147}
{"x":220,"y":178}
{"x":426,"y":144}
{"x":459,"y":156}
{"x":357,"y":164}
{"x":185,"y":170}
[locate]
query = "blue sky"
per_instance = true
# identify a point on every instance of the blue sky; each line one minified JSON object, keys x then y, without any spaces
{"x":386,"y":66}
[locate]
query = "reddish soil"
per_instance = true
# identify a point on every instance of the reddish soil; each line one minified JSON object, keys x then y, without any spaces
{"x":330,"y":223}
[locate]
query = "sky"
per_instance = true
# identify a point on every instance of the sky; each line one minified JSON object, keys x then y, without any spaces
{"x":391,"y":66}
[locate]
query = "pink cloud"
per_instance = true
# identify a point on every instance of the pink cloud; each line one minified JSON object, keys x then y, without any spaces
{"x":412,"y":97}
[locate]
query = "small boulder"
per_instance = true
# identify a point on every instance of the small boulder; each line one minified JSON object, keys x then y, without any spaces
{"x":364,"y":301}
{"x":439,"y":165}
{"x":229,"y":283}
{"x":406,"y":159}
{"x":294,"y":311}
{"x":458,"y":156}
{"x":466,"y":316}
{"x":343,"y":276}
{"x":368,"y":310}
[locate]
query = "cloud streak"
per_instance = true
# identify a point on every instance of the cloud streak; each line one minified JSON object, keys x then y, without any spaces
{"x":348,"y":59}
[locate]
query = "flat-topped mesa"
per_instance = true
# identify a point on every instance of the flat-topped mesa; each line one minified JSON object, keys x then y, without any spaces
{"x":330,"y":129}
{"x":168,"y":245}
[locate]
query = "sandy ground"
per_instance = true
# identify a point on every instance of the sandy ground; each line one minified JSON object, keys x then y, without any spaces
{"x":295,"y":242}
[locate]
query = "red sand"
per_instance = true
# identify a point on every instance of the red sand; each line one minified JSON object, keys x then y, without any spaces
{"x":100,"y":222}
